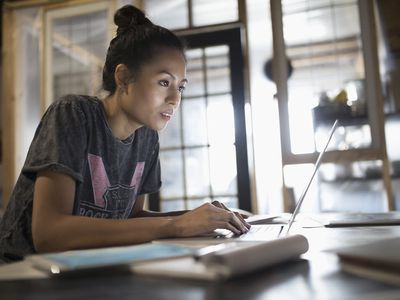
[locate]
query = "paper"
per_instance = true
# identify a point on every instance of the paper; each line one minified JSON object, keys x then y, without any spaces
{"x":248,"y":258}
{"x":231,"y":261}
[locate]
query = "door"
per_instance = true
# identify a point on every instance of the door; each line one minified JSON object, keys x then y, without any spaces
{"x":203,"y":151}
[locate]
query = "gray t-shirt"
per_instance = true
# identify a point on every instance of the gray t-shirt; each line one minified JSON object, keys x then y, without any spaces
{"x":73,"y":138}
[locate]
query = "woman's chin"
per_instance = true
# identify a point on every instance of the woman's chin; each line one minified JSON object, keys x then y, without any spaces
{"x":158,"y":127}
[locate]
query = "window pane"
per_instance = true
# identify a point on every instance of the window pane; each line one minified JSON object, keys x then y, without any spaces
{"x":221,"y":127}
{"x":218,"y":69}
{"x":172,"y":205}
{"x":347,"y":22}
{"x":319,"y":20}
{"x":171,"y":135}
{"x":223,"y":169}
{"x":171,"y":174}
{"x":207,"y":12}
{"x":230,"y":202}
{"x":197,"y":172}
{"x":195,"y":73}
{"x":296,"y":179}
{"x":292,"y":6}
{"x":194,"y":122}
{"x":172,"y":14}
{"x":346,"y":197}
{"x":79,"y":47}
{"x":344,"y":138}
{"x":193,"y":203}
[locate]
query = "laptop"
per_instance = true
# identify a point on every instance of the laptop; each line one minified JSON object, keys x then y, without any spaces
{"x":263,"y":232}
{"x":273,"y":231}
{"x":358,"y":219}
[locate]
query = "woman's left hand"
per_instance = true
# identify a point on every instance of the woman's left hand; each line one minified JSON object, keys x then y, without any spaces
{"x":238,"y":215}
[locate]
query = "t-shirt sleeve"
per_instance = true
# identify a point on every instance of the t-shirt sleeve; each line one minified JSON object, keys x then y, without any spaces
{"x":152,"y":180}
{"x":60,"y":142}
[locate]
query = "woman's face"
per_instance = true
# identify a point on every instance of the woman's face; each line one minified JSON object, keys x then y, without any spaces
{"x":153,"y":97}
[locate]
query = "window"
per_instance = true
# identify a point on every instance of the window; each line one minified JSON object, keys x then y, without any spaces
{"x":203,"y":150}
{"x":328,"y":72}
{"x":181,"y":14}
{"x":76,"y":44}
{"x":335,"y":76}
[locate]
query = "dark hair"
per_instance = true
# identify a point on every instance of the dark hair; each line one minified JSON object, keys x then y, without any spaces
{"x":137,"y":41}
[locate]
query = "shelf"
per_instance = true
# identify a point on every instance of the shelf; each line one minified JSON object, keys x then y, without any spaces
{"x":359,"y":179}
{"x":326,"y":115}
{"x":334,"y":156}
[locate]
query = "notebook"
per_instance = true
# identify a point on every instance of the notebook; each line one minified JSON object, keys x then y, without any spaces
{"x":108,"y":257}
{"x":378,"y":260}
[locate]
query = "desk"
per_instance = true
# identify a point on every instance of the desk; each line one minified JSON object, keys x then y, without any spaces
{"x":316,"y":276}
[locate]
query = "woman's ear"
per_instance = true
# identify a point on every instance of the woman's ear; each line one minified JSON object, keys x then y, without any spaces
{"x":122,"y":77}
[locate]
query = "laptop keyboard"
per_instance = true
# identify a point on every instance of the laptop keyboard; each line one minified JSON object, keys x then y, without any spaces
{"x":256,"y":232}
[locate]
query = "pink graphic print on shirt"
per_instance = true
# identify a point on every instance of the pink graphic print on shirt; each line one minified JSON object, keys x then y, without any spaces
{"x":111,"y":201}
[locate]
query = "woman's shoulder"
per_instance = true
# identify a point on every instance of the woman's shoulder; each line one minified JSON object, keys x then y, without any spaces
{"x":76,"y":104}
{"x":78,"y":101}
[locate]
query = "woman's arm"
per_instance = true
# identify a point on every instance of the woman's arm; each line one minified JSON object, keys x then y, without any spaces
{"x":54,"y":228}
{"x":139,"y":212}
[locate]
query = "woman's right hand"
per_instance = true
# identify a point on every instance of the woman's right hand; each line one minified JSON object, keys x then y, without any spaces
{"x":208,"y":217}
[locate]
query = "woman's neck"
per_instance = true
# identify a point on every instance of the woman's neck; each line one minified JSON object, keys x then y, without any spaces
{"x":117,"y":119}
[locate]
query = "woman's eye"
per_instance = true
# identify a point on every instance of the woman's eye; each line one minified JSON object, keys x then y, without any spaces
{"x":164,"y":83}
{"x":181,"y":89}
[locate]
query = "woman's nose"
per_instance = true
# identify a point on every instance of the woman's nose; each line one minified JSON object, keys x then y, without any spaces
{"x":174,"y":98}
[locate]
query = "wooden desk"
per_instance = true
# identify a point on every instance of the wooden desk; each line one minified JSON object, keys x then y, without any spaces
{"x":316,"y":276}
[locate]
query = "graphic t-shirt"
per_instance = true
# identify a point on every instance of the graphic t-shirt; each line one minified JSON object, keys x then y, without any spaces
{"x":74,"y":138}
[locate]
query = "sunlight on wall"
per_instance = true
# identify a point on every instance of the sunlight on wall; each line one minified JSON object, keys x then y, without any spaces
{"x":267,"y":155}
{"x":221,"y":133}
{"x":27,"y":70}
{"x":296,"y":179}
{"x":301,"y":125}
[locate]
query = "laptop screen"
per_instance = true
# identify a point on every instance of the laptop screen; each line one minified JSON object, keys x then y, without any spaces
{"x":316,"y":166}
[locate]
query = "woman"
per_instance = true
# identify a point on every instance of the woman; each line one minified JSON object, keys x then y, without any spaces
{"x":92,"y":161}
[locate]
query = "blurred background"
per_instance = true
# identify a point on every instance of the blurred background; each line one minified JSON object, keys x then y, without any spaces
{"x":267,"y":79}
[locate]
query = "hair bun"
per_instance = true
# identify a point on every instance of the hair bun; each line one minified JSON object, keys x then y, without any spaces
{"x":128,"y":17}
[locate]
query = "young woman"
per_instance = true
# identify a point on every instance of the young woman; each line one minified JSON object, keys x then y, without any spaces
{"x":92,"y":161}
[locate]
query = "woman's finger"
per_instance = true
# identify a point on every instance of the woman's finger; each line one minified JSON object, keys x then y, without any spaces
{"x":232,"y":218}
{"x":218,"y":204}
{"x":235,"y":221}
{"x":238,"y":215}
{"x":243,"y":220}
{"x":229,"y":226}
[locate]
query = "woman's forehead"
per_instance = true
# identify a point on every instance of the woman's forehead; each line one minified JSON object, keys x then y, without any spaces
{"x":169,"y":61}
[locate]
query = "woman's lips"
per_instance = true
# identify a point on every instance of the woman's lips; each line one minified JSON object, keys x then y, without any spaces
{"x":166,"y":115}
